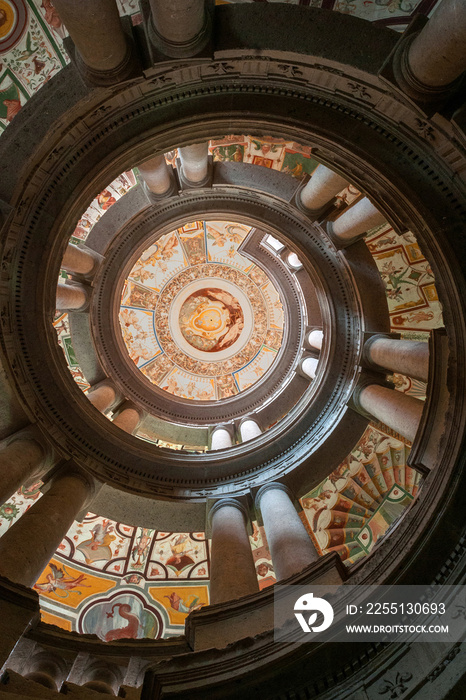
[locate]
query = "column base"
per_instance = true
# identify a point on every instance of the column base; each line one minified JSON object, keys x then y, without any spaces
{"x":312,"y":214}
{"x":129,"y":68}
{"x":186,"y":49}
{"x":341,"y":243}
{"x":186,"y":184}
{"x":397,"y":73}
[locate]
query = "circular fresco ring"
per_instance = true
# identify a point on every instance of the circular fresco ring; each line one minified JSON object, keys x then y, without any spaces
{"x":13,"y":22}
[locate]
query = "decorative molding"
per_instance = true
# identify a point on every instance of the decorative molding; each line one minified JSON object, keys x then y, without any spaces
{"x":396,"y":687}
{"x":446,"y":661}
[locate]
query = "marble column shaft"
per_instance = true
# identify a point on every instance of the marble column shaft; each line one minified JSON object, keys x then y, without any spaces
{"x":315,"y":339}
{"x":321,"y":188}
{"x":128,"y":419}
{"x":399,"y":411}
{"x":20,"y":460}
{"x":221,"y":439}
{"x":437,"y":55}
{"x":77,"y":259}
{"x":156,"y":175}
{"x":249,"y":429}
{"x":356,"y":221}
{"x":71,"y":297}
{"x":95,"y":28}
{"x":232,"y":571}
{"x":290,"y":546}
{"x":194,"y":162}
{"x":404,"y":356}
{"x":309,"y":366}
{"x":27,"y":547}
{"x":178,"y":23}
{"x":102,"y":397}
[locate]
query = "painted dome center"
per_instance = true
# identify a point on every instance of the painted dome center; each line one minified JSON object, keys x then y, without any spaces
{"x":199,"y":319}
{"x":211,"y":319}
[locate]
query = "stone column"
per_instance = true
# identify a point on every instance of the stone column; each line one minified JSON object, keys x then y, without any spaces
{"x":232,"y":570}
{"x":103,"y":677}
{"x":27,"y":547}
{"x":437,"y":55}
{"x":79,"y":259}
{"x":315,"y":339}
{"x":404,"y":356}
{"x":71,"y":297}
{"x":104,"y":52}
{"x":309,"y":367}
{"x":47,"y":668}
{"x":102,"y":396}
{"x":221,"y":439}
{"x":20,"y":460}
{"x":321,"y":188}
{"x":179,"y":28}
{"x":290,"y":545}
{"x":249,"y":429}
{"x":355,"y":221}
{"x":194,"y":163}
{"x":399,"y":411}
{"x":156,"y":175}
{"x":128,"y":418}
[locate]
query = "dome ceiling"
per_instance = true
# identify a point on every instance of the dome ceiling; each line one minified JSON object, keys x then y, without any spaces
{"x":199,"y":319}
{"x":226,"y":316}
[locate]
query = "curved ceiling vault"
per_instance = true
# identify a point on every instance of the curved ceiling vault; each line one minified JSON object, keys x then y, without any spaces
{"x":214,"y":338}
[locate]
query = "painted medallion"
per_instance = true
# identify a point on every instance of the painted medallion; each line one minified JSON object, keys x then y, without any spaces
{"x":199,"y":319}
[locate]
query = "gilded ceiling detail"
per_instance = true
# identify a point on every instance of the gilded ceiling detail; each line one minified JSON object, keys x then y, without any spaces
{"x":199,"y":319}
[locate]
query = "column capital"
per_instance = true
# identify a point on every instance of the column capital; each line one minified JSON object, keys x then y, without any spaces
{"x":34,"y":434}
{"x":274,"y":486}
{"x":73,"y":470}
{"x":367,"y":378}
{"x":406,"y":78}
{"x":233,"y":503}
{"x":186,"y":47}
{"x":369,"y":340}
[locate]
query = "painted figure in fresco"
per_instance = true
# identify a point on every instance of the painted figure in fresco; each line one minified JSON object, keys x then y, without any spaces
{"x":12,"y":107}
{"x":105,"y":200}
{"x":263,"y":568}
{"x":179,"y":548}
{"x":140,"y":550}
{"x":98,"y":547}
{"x":31,"y":491}
{"x":3,"y":17}
{"x":178,"y":604}
{"x":51,"y":15}
{"x":59,"y":579}
{"x":130,"y":631}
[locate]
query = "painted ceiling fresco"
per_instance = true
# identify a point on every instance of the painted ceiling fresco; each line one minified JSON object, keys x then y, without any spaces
{"x":119,"y":581}
{"x":360,"y":502}
{"x":98,"y":206}
{"x":198,"y":318}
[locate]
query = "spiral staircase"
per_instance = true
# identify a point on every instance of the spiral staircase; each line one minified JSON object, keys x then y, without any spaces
{"x":232,"y":367}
